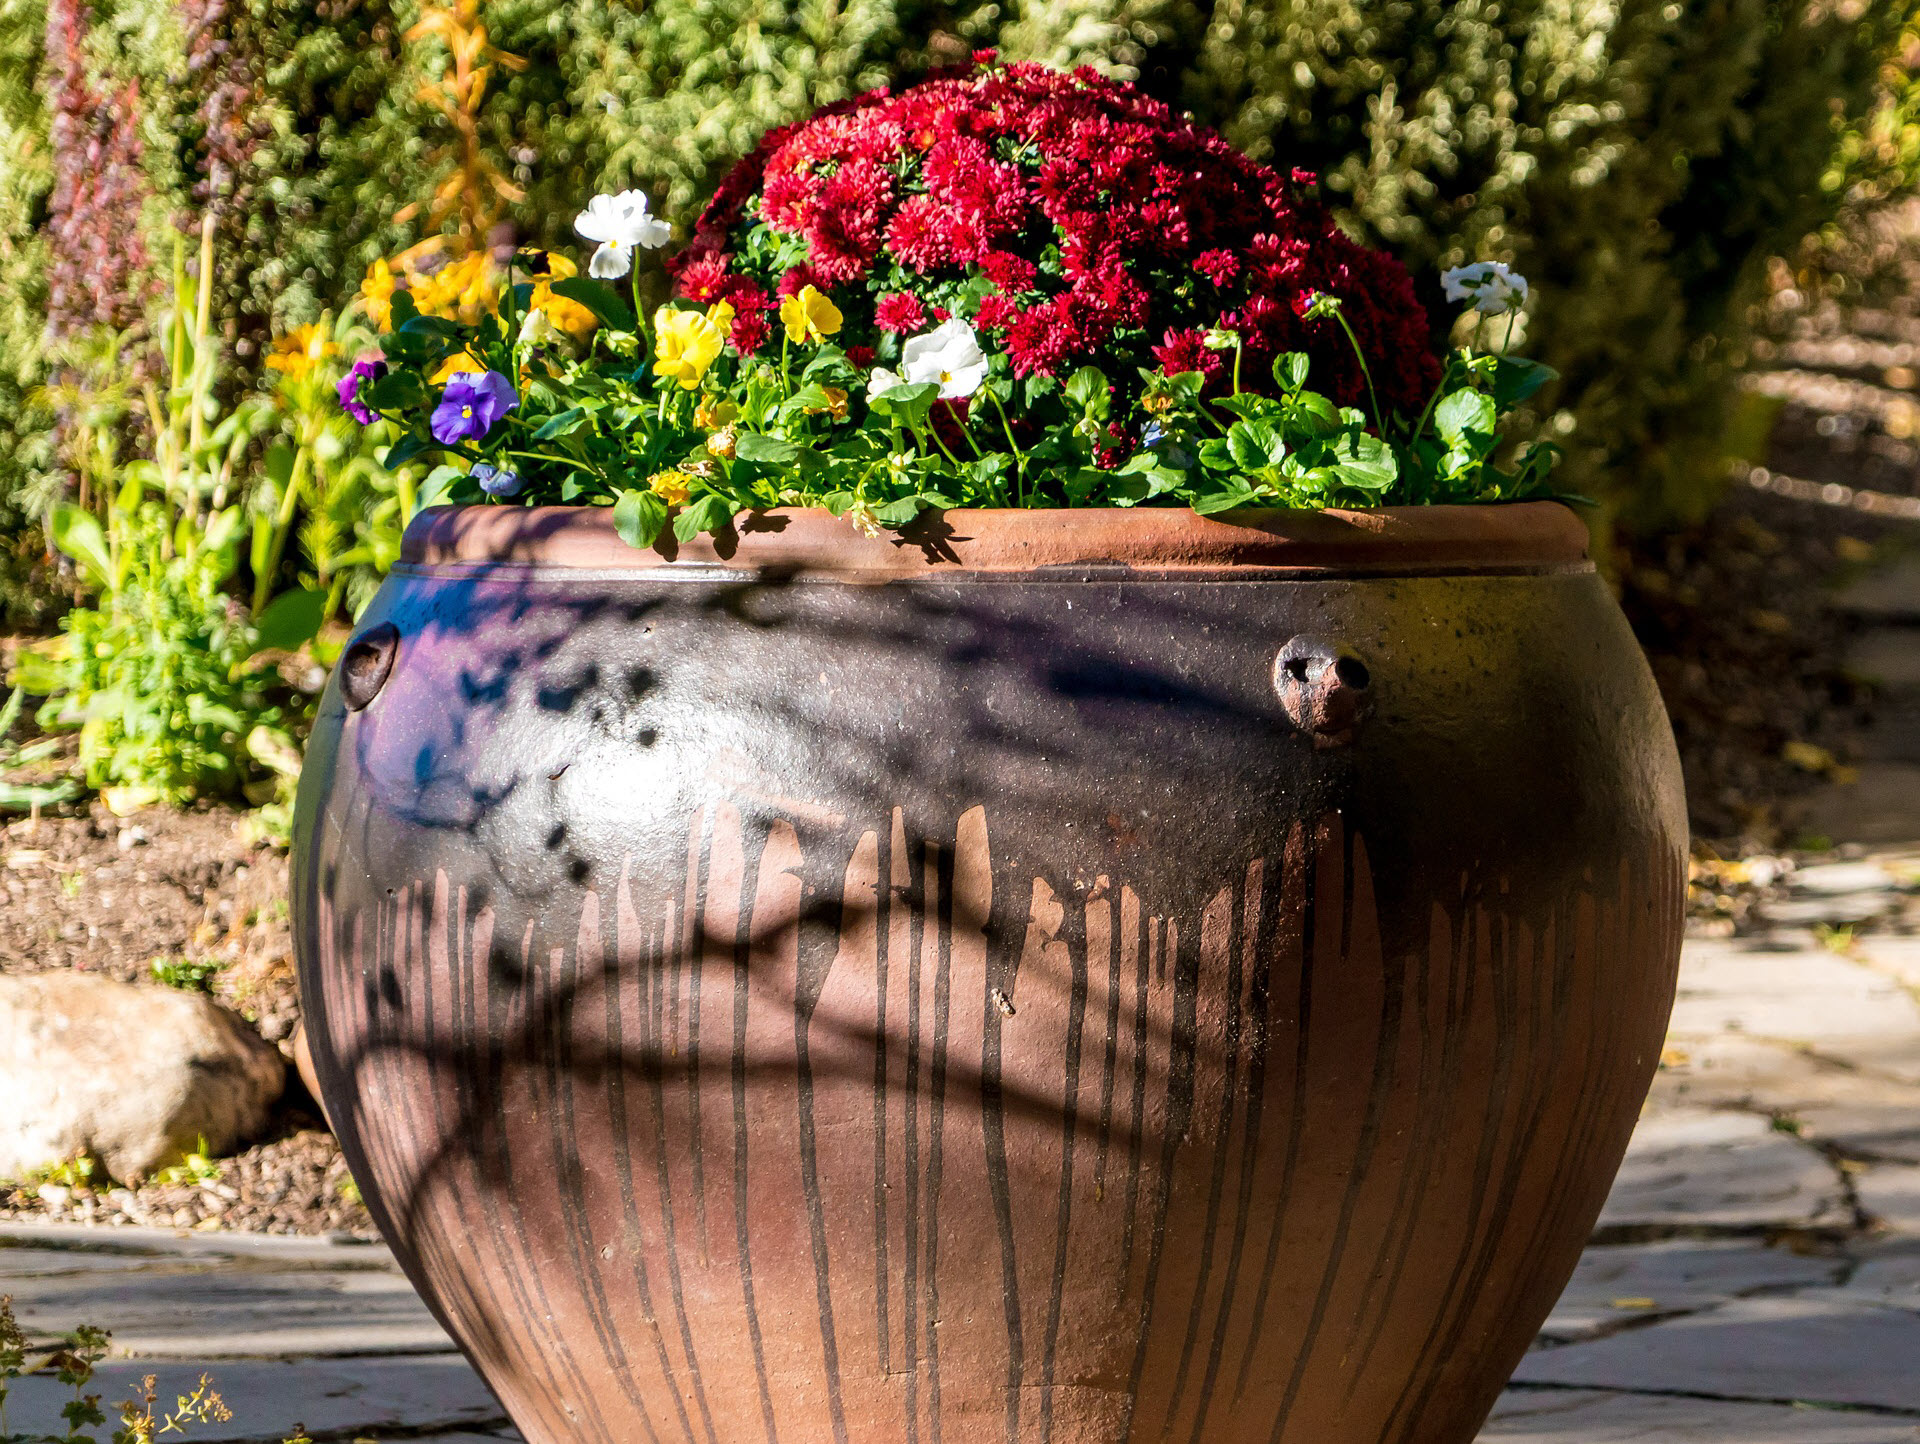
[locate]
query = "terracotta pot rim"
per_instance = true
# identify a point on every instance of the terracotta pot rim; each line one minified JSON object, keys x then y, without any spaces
{"x":810,"y":541}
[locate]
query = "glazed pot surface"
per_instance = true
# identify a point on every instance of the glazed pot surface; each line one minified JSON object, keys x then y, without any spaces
{"x":1070,"y":977}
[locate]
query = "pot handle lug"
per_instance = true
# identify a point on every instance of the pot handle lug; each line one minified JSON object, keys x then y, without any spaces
{"x":367,"y":663}
{"x":1324,"y":687}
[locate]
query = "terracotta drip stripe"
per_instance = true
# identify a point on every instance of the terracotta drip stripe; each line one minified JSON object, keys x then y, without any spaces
{"x":813,"y":542}
{"x":1288,"y":1098}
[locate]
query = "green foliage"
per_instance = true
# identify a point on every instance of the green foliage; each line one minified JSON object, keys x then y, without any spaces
{"x":25,"y":449}
{"x":670,"y":429}
{"x":195,"y":1167}
{"x":1639,"y":160}
{"x":24,"y":795}
{"x":156,"y":678}
{"x":189,"y":975}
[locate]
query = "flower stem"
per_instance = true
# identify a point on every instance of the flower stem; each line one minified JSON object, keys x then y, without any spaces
{"x":1019,"y":456}
{"x":1379,"y":422}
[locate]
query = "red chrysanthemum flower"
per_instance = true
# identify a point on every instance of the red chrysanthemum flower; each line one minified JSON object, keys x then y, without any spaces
{"x":899,"y":312}
{"x":996,"y":313}
{"x":1111,"y":232}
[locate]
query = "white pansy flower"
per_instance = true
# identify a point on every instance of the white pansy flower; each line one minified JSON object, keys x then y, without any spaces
{"x":949,"y":354}
{"x":1494,"y":287}
{"x":882,"y":381}
{"x":619,"y":223}
{"x":537,"y":329}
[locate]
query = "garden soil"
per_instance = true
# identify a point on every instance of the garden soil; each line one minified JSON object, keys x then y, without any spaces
{"x":188,"y":897}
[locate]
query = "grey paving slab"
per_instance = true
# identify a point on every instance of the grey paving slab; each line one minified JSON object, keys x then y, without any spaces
{"x":179,"y":1314}
{"x":1866,"y":1114}
{"x":1888,"y":657}
{"x":1625,"y":1284}
{"x":130,"y":1241}
{"x":1888,"y":1273}
{"x":1831,"y":1349}
{"x":1892,"y":1195}
{"x":1888,"y":594}
{"x":178,"y":1294}
{"x":1803,"y":994}
{"x":1695,"y":1167}
{"x":1829,"y":878}
{"x":348,"y":1398}
{"x":1881,"y":806}
{"x":1554,"y":1416}
{"x":1898,"y":957}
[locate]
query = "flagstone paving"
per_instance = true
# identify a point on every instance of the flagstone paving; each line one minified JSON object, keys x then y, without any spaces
{"x":1755,"y":1278}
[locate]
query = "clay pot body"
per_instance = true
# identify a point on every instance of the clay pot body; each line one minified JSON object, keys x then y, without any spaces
{"x":1079,"y":977}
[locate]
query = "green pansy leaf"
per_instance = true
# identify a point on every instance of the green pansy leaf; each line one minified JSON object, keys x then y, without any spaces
{"x":909,"y":403}
{"x":1226,"y":500}
{"x":707,"y":512}
{"x":1290,"y":370}
{"x":1256,"y":445}
{"x":1370,"y":466}
{"x":1315,"y":414}
{"x":1515,"y":379}
{"x":638,"y":517}
{"x":1463,"y":414}
{"x":1248,"y":404}
{"x":1087,"y":388}
{"x":565,"y":424}
{"x":406,"y":449}
{"x":432,"y":326}
{"x":754,"y":446}
{"x":599,"y":298}
{"x":438,"y":484}
{"x":898,"y":512}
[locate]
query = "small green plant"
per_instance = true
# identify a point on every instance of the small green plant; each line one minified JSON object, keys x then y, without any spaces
{"x":1836,"y":938}
{"x":193,"y":1168}
{"x":190,"y":975}
{"x":156,"y":675}
{"x":28,"y":796}
{"x":74,"y":1172}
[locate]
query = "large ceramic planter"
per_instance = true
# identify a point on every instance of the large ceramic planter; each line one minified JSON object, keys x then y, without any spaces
{"x":1074,"y":976}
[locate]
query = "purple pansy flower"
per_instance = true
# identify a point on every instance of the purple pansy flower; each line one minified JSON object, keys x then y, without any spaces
{"x":370,"y":367}
{"x":470,"y":405}
{"x":496,"y":481}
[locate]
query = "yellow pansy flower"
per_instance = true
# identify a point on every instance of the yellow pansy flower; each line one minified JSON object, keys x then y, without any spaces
{"x":670,"y":486}
{"x":462,"y":290}
{"x":301,"y":350}
{"x":570,"y":316}
{"x":376,"y":294}
{"x":836,"y":407}
{"x":453,"y":366}
{"x":713,"y":412}
{"x":809,"y":316}
{"x":685,"y":345}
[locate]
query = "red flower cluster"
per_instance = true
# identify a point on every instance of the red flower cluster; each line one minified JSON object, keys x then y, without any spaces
{"x":1070,"y":218}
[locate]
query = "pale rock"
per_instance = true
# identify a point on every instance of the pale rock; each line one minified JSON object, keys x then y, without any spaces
{"x":133,"y":1075}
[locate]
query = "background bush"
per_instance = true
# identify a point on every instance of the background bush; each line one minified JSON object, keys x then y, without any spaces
{"x":1639,"y":159}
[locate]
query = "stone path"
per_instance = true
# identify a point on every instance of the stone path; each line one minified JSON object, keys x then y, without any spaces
{"x":1754,"y":1280}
